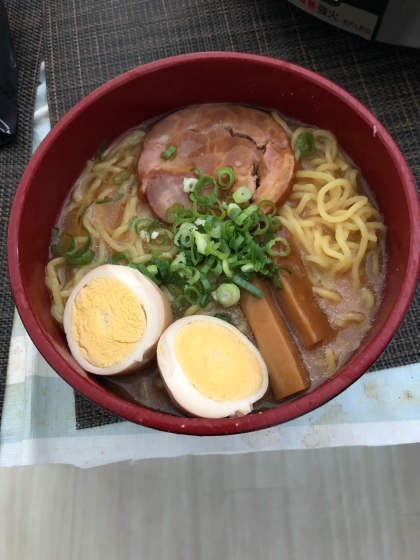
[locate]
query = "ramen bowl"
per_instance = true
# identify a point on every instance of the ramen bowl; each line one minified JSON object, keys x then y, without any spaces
{"x":164,"y":86}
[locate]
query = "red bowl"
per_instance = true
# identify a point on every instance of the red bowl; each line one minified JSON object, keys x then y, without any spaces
{"x":161,"y":87}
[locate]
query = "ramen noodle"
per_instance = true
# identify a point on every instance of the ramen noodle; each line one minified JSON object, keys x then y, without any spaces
{"x":329,"y":213}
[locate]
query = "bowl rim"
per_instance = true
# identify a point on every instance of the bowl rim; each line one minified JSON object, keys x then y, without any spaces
{"x":225,"y":426}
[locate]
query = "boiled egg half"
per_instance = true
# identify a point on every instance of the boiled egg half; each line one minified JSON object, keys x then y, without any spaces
{"x":210,"y":368}
{"x":113,"y":319}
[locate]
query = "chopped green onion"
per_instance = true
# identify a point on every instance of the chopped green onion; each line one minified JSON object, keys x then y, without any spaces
{"x":163,"y":268}
{"x":56,"y":238}
{"x":262,"y":228}
{"x":192,"y":295}
{"x":209,"y":223}
{"x":201,"y":240}
{"x":120,"y":256}
{"x":189,"y":184}
{"x":201,"y":183}
{"x":144,"y":223}
{"x":224,"y":248}
{"x":276,"y":278}
{"x":269,"y":235}
{"x":121,"y":177}
{"x":228,"y":294}
{"x":177,"y":213}
{"x":306,"y":144}
{"x":167,"y":153}
{"x":204,"y":300}
{"x":226,"y":269}
{"x":175,"y":291}
{"x":276,"y":220}
{"x":223,"y":317}
{"x":243,"y":194}
{"x":237,"y":242}
{"x":225,"y":177}
{"x":277,"y":282}
{"x":155,"y":234}
{"x":215,"y":232}
{"x":195,"y":211}
{"x":272,"y":252}
{"x":252,"y":209}
{"x":79,"y":219}
{"x":153,"y":269}
{"x":242,"y":283}
{"x":205,"y":283}
{"x":178,"y":302}
{"x":143,"y":269}
{"x":263,"y":207}
{"x":194,"y":278}
{"x":194,"y":255}
{"x":106,"y":200}
{"x":208,"y":264}
{"x":286,"y":268}
{"x":219,"y":207}
{"x":233,"y":211}
{"x":218,"y":269}
{"x":100,"y":150}
{"x":184,"y":236}
{"x":213,"y":250}
{"x":169,"y":216}
{"x":183,"y":270}
{"x":179,"y":259}
{"x":227,"y":230}
{"x":81,"y":256}
{"x":131,"y":222}
{"x":80,"y":252}
{"x":84,"y":255}
{"x":198,"y":171}
{"x":87,"y":258}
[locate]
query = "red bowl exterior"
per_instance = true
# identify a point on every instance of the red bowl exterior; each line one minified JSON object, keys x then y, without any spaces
{"x":157,"y":88}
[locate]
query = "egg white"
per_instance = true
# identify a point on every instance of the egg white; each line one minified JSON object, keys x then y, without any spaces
{"x":156,"y":307}
{"x":181,"y":389}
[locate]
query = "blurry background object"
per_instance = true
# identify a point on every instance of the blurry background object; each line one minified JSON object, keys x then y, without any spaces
{"x":8,"y":81}
{"x":388,"y":21}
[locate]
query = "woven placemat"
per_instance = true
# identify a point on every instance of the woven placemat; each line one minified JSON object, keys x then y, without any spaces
{"x":88,"y":43}
{"x":25,"y":19}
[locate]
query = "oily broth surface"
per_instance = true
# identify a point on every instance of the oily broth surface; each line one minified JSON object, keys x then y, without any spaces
{"x":146,"y":388}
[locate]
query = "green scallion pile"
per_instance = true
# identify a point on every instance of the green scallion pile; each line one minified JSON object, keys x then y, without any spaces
{"x":221,"y":241}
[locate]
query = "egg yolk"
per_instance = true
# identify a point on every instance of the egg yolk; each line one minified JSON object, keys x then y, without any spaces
{"x":216,"y":362}
{"x":107,"y":321}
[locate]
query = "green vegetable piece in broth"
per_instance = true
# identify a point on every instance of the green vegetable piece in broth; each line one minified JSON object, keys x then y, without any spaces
{"x":306,"y":144}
